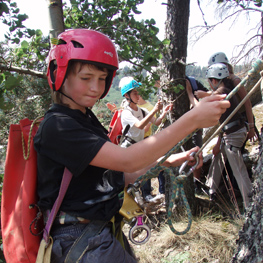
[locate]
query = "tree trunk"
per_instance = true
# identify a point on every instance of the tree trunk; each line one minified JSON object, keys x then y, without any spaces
{"x":174,"y":62}
{"x":250,"y":242}
{"x":56,"y":18}
{"x":172,"y":81}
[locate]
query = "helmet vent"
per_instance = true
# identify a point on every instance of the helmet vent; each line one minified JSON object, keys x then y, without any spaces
{"x":61,"y":42}
{"x":76,"y":44}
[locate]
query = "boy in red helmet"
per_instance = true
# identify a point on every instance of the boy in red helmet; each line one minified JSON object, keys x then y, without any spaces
{"x":80,"y":71}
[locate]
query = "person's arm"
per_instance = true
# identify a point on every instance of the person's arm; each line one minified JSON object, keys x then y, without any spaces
{"x":216,"y":148}
{"x":173,"y":160}
{"x":158,"y":121}
{"x":140,"y":124}
{"x":147,"y":151}
{"x":202,"y":94}
{"x":242,"y":93}
{"x":191,"y":97}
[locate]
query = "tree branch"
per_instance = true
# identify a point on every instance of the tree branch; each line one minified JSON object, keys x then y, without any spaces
{"x":23,"y":71}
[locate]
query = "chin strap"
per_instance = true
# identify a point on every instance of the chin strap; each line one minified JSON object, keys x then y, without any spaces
{"x":129,"y":99}
{"x":215,"y":87}
{"x":65,"y":95}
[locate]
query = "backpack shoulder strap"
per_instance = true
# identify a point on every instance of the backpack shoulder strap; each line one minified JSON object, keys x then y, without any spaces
{"x":62,"y":191}
{"x":193,"y":83}
{"x":143,"y":113}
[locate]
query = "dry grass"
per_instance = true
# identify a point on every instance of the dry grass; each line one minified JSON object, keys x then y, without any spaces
{"x":209,"y":240}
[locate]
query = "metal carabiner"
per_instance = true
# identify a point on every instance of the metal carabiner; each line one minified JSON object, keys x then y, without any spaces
{"x":192,"y":168}
{"x":140,"y":231}
{"x":134,"y":190}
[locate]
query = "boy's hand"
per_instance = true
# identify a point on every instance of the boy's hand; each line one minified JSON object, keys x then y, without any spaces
{"x":209,"y":110}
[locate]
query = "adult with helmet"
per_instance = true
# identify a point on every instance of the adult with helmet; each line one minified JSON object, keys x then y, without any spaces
{"x":246,"y":110}
{"x":138,"y":120}
{"x":80,"y":72}
{"x":230,"y":140}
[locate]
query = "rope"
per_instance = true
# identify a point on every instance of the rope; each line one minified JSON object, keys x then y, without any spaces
{"x":26,"y":155}
{"x":177,"y":184}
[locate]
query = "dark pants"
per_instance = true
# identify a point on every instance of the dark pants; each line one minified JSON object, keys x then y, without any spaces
{"x":103,"y":247}
{"x":146,"y":188}
{"x":161,"y":179}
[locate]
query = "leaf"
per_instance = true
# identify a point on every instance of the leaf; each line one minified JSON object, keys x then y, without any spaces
{"x":24,"y":44}
{"x":12,"y":82}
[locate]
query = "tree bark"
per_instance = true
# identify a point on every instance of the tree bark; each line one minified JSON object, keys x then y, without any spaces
{"x":56,"y":18}
{"x":250,"y":242}
{"x":174,"y":63}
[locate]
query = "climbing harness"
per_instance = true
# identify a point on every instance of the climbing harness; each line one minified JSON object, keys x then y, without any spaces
{"x":177,"y":182}
{"x":132,"y":211}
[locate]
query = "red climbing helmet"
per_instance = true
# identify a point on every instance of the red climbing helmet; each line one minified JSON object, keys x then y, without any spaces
{"x":82,"y":45}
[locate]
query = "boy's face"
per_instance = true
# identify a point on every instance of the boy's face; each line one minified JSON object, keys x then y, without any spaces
{"x":135,"y":95}
{"x":85,"y":86}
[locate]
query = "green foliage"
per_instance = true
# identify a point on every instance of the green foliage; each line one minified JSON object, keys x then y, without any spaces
{"x":10,"y":16}
{"x":136,"y":41}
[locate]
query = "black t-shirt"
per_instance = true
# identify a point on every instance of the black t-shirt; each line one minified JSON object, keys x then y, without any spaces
{"x":233,"y":101}
{"x":70,"y":138}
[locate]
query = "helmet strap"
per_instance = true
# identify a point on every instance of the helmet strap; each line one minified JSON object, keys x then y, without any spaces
{"x":216,"y":86}
{"x":66,"y":95}
{"x":129,"y":99}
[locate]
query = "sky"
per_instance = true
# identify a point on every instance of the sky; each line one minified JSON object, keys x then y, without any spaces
{"x":224,"y":38}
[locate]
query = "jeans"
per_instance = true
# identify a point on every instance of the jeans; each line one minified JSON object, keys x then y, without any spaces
{"x":103,"y":247}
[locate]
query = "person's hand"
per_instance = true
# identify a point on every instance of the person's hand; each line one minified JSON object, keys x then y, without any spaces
{"x":209,"y":110}
{"x":179,"y":158}
{"x":251,"y":135}
{"x":168,"y":107}
{"x":111,"y":107}
{"x":158,"y":106}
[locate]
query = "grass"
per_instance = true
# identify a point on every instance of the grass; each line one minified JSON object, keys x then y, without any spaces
{"x":210,"y":239}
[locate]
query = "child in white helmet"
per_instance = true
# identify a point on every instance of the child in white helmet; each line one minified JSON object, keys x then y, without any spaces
{"x":246,"y":110}
{"x":81,"y":68}
{"x":231,"y":139}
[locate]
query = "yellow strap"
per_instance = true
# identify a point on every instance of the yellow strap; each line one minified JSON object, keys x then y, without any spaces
{"x":44,"y":251}
{"x":118,"y":234}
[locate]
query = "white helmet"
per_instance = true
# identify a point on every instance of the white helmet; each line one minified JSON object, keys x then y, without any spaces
{"x":217,"y":71}
{"x":218,"y":57}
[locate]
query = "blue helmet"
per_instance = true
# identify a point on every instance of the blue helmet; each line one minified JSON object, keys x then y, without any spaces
{"x":127,"y":84}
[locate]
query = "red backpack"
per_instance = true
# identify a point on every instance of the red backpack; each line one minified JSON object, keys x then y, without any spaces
{"x":18,"y":193}
{"x":25,"y":238}
{"x":115,"y":127}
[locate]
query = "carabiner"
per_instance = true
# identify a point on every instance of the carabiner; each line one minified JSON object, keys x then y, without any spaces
{"x":183,"y":166}
{"x":140,"y":231}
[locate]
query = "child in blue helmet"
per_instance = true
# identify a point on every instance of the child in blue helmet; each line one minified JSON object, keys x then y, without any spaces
{"x":134,"y":115}
{"x":80,"y":72}
{"x":138,"y":120}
